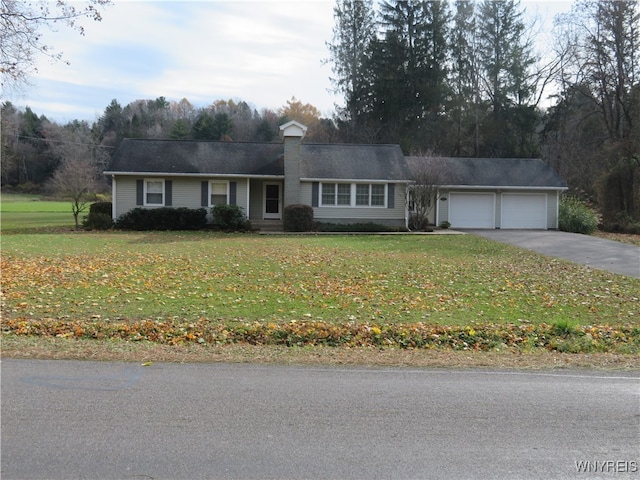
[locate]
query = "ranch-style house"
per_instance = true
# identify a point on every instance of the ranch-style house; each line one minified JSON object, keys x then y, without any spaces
{"x":343,"y":183}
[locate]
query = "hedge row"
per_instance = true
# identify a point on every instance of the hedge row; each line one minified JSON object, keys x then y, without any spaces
{"x":224,"y":217}
{"x":483,"y":337}
{"x":164,"y":218}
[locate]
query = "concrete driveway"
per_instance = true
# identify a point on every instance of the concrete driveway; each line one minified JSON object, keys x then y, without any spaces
{"x":594,"y":252}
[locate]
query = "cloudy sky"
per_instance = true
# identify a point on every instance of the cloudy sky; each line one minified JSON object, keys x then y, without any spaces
{"x":262,"y":52}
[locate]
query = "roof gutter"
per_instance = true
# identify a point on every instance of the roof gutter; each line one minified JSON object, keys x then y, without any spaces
{"x":354,"y":180}
{"x":499,"y":187}
{"x":208,"y":175}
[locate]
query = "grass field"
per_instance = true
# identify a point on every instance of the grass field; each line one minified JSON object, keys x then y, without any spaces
{"x":211,"y":288}
{"x":27,"y":212}
{"x":438,"y":279}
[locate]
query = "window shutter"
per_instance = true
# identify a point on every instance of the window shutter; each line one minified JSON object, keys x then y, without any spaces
{"x":204,"y":194}
{"x":168,"y":193}
{"x":391,"y":195}
{"x":233,"y":187}
{"x":315,"y":193}
{"x":139,"y":192}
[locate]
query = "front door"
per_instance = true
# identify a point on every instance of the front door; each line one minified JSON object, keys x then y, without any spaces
{"x":272,"y":202}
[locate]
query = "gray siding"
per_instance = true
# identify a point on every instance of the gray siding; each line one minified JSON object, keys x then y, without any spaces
{"x":185,"y":190}
{"x":552,"y":210}
{"x":125,"y":195}
{"x":242,"y":190}
{"x":255,"y":205}
{"x":186,"y":193}
{"x":391,"y":216}
{"x":442,"y":207}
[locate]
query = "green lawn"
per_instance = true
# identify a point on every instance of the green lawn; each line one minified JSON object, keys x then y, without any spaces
{"x":22,"y":212}
{"x":447,"y":280}
{"x":430,"y":291}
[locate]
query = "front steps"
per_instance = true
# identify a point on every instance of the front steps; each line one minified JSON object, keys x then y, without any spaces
{"x":267,"y":226}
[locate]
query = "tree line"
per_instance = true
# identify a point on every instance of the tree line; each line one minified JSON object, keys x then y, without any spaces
{"x":445,"y":78}
{"x":463,"y":78}
{"x":34,"y":148}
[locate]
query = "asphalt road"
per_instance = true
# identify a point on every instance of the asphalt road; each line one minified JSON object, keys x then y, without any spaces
{"x":80,"y":420}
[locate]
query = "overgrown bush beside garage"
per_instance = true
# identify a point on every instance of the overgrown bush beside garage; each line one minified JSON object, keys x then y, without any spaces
{"x":575,"y":216}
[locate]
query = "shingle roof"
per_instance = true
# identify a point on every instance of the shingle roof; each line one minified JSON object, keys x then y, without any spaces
{"x":384,"y":162}
{"x":353,"y":162}
{"x":322,"y":161}
{"x":493,"y":172}
{"x":198,"y":157}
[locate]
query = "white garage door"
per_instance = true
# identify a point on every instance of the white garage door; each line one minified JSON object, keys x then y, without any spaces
{"x":524,"y":210}
{"x":472,"y":210}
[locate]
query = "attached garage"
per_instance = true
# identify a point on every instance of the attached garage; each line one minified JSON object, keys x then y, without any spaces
{"x":472,"y":210}
{"x":524,"y":210}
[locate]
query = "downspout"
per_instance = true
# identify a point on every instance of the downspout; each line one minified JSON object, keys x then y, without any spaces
{"x":113,"y":198}
{"x":248,"y":197}
{"x":558,"y":192}
{"x":406,"y":206}
{"x":436,"y":210}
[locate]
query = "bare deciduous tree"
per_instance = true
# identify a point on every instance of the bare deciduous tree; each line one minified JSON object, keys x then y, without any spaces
{"x":599,"y":42}
{"x":77,"y":178}
{"x":429,"y":172}
{"x":21,"y":37}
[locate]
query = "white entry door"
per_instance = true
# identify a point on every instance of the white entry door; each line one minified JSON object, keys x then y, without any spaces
{"x":472,"y":210}
{"x":272,"y":201}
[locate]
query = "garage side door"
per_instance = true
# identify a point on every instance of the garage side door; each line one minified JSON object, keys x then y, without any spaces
{"x":524,"y":210}
{"x":472,"y":210}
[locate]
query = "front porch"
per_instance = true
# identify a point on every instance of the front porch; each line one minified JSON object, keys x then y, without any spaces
{"x":265,"y":202}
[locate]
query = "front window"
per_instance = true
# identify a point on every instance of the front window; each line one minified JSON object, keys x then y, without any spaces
{"x":218,"y":193}
{"x":362,"y":194}
{"x":344,"y":194}
{"x":377,"y":195}
{"x":353,"y":194}
{"x":154,"y":192}
{"x":328,"y":193}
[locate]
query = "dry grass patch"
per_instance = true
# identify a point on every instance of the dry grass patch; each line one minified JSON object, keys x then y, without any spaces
{"x":61,"y":348}
{"x":619,"y":237}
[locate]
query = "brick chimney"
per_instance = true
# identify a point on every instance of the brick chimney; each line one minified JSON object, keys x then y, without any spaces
{"x":292,"y":134}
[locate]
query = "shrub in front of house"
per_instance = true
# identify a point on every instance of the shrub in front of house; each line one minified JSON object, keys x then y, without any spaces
{"x":101,"y":207}
{"x":229,"y":218}
{"x":99,"y":217}
{"x":417,"y":224}
{"x":97,"y":221}
{"x":575,"y":216}
{"x":165,"y":218}
{"x":135,"y":219}
{"x":298,"y":218}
